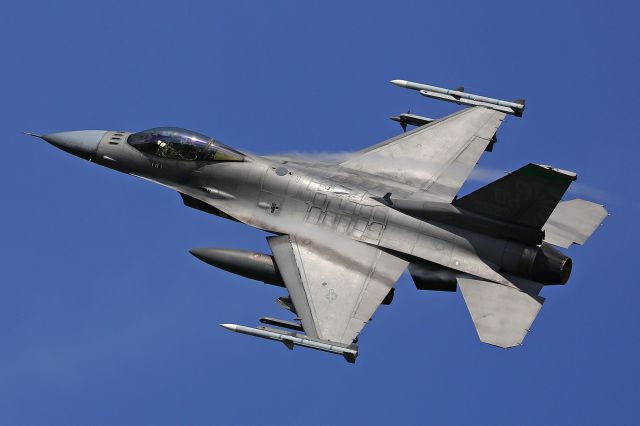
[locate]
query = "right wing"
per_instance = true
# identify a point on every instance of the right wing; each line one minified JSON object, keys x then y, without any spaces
{"x":335,"y":285}
{"x":436,"y":158}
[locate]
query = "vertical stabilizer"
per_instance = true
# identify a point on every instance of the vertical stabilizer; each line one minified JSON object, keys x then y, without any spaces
{"x":525,"y":197}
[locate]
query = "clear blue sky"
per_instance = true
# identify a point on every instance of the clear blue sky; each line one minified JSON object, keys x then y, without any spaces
{"x":106,"y":319}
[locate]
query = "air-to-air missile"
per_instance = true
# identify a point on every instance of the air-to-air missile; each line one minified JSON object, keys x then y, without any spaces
{"x":290,"y":340}
{"x":459,"y":96}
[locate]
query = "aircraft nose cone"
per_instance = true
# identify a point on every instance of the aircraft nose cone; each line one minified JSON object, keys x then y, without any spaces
{"x":82,"y":143}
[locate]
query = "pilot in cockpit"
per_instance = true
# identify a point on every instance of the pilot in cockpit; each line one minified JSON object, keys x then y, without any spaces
{"x":181,"y":144}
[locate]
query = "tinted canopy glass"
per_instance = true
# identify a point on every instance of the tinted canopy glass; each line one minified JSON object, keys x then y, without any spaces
{"x":182,"y":144}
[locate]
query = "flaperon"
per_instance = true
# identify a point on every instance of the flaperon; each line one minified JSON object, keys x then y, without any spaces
{"x":344,"y":232}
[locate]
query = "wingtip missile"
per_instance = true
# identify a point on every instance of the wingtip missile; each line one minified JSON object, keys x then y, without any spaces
{"x":459,"y":96}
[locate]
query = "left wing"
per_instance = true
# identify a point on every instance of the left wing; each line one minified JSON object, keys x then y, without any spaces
{"x":335,"y":286}
{"x":436,"y":158}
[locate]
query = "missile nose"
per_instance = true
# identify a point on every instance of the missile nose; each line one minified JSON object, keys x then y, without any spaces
{"x":400,"y":83}
{"x":82,"y":143}
{"x":231,"y":327}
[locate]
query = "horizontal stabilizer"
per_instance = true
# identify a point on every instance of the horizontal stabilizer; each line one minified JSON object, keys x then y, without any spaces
{"x":573,"y":221}
{"x":502,"y":315}
{"x":525,"y":197}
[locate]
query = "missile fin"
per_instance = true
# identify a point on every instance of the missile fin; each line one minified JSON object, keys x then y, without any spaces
{"x":288,"y":343}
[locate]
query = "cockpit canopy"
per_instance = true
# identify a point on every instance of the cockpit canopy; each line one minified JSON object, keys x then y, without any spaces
{"x":182,"y":144}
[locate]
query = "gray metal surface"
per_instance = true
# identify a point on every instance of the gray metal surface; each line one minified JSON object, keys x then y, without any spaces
{"x":436,"y":159}
{"x":335,"y":289}
{"x":501,"y":314}
{"x":573,"y":221}
{"x":81,"y":143}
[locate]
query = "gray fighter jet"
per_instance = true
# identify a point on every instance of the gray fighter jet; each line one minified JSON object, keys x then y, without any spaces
{"x":344,"y":232}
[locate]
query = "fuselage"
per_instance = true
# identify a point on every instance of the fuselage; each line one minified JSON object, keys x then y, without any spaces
{"x":285,"y":196}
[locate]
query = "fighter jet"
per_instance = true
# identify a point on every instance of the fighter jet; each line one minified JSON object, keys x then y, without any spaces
{"x":343,"y":232}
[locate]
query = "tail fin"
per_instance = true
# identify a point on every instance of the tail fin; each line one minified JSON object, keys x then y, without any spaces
{"x":526,"y":197}
{"x":573,"y":221}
